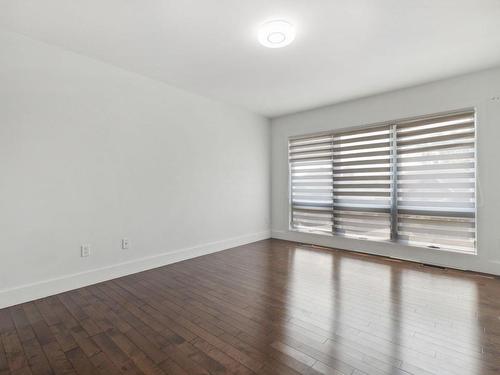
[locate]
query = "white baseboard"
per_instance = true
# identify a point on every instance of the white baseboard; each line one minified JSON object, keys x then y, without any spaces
{"x":29,"y":292}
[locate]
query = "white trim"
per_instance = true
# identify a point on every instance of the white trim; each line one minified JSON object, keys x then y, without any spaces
{"x":29,"y":292}
{"x":382,"y":123}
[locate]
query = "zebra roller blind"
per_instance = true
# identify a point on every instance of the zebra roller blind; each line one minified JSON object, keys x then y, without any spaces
{"x":361,"y":183}
{"x":311,"y":171}
{"x":411,"y":181}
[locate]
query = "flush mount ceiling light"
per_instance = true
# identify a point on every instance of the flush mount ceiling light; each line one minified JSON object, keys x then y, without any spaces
{"x":276,"y":33}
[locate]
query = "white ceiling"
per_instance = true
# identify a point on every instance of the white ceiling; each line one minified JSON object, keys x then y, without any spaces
{"x":344,"y":48}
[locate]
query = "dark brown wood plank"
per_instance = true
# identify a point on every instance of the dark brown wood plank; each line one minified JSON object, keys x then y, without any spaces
{"x":14,"y":352}
{"x":271,"y":307}
{"x":80,"y":362}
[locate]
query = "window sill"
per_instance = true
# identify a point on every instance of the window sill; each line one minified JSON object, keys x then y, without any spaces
{"x":391,"y":242}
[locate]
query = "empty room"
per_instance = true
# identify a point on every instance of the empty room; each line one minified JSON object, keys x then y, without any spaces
{"x":280,"y":187}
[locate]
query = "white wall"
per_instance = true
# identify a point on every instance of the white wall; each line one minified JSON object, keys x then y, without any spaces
{"x":90,"y":153}
{"x":480,"y":90}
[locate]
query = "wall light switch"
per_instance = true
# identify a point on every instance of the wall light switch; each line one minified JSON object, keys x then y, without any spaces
{"x":85,"y":251}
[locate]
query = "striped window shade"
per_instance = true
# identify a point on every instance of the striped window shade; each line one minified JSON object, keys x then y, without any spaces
{"x":436,"y":182}
{"x":409,"y":181}
{"x":362,"y":183}
{"x":311,"y":171}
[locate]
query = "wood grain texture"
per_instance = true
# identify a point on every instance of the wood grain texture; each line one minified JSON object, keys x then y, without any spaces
{"x":271,"y":307}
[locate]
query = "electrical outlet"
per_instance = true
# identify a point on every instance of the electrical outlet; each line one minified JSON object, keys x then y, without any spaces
{"x":125,"y":243}
{"x":85,"y":251}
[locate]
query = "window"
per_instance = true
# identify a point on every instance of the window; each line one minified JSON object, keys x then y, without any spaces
{"x":410,"y":181}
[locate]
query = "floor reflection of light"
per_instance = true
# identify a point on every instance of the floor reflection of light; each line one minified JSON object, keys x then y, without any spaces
{"x":390,"y":314}
{"x":441,"y":313}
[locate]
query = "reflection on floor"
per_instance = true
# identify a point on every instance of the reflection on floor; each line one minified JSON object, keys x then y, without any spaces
{"x":271,"y":307}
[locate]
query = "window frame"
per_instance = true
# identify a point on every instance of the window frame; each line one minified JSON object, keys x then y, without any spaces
{"x":394,"y":213}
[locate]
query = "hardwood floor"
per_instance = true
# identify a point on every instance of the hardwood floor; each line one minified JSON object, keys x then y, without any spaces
{"x":271,"y":307}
